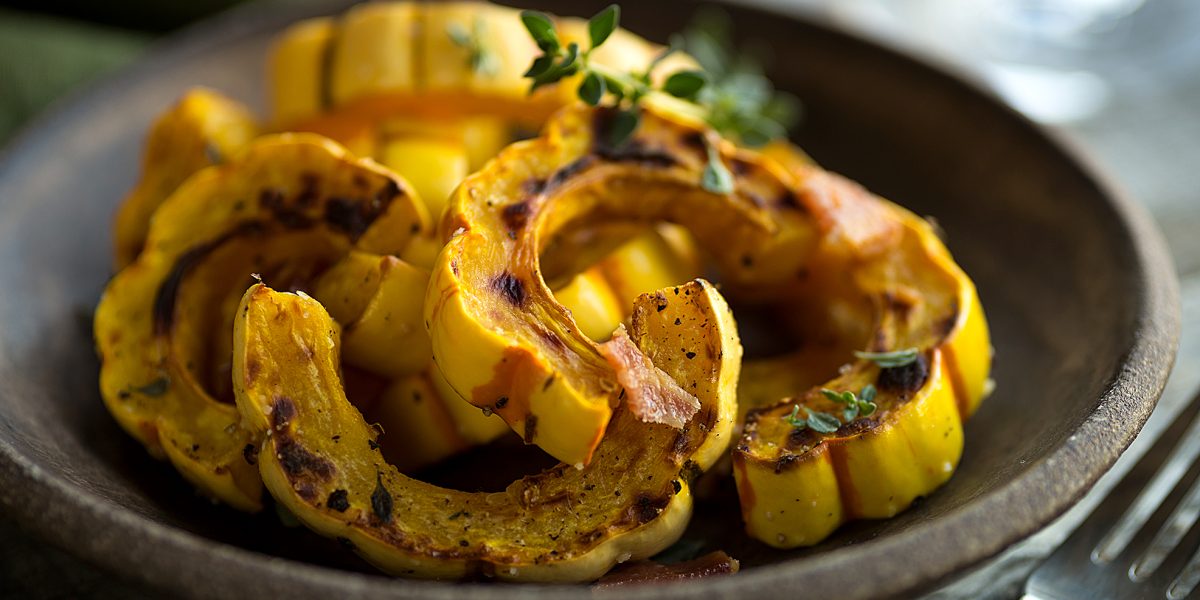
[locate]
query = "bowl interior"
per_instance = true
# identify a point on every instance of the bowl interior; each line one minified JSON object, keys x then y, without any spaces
{"x":1053,"y":258}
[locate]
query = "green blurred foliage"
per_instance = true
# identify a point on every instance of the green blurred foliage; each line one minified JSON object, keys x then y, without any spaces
{"x":42,"y":58}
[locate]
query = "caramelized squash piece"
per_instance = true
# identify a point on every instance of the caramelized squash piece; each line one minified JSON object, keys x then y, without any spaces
{"x":202,"y":129}
{"x":378,"y":302}
{"x":319,"y":458}
{"x":659,"y":257}
{"x":418,"y":430}
{"x":287,"y":205}
{"x":497,"y":330}
{"x":592,"y":303}
{"x":797,"y":485}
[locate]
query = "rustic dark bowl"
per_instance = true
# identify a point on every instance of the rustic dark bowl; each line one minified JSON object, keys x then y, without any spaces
{"x":1075,"y":279}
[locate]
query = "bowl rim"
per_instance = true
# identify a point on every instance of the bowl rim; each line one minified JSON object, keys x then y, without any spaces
{"x":171,"y":559}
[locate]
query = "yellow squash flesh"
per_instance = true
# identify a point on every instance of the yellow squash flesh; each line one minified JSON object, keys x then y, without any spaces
{"x":287,"y":205}
{"x":319,"y":457}
{"x":657,"y":258}
{"x":202,"y":129}
{"x":592,"y":303}
{"x":377,"y":302}
{"x":417,"y":429}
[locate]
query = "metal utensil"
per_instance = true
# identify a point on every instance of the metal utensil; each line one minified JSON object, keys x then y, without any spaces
{"x":1143,"y":540}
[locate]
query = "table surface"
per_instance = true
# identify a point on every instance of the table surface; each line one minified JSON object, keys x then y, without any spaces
{"x":1148,"y":134}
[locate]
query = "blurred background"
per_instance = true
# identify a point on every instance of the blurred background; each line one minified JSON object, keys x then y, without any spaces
{"x":1118,"y":79}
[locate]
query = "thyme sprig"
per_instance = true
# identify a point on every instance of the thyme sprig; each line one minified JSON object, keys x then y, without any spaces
{"x":737,"y":101}
{"x":740,"y":101}
{"x":822,"y":422}
{"x":853,"y":406}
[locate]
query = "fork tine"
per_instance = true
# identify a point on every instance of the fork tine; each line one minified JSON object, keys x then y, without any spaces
{"x":1095,"y":558}
{"x":1169,"y":531}
{"x":1154,"y":476}
{"x":1163,"y":530}
{"x":1185,"y":584}
{"x":1175,"y":561}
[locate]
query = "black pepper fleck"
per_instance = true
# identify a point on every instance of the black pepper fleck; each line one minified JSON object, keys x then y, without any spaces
{"x":339,"y":500}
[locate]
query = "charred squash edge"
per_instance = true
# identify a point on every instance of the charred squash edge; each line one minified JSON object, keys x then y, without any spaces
{"x":142,"y":386}
{"x":383,"y":515}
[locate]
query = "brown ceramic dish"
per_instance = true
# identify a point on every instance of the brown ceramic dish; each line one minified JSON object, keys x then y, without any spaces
{"x":1077,"y":284}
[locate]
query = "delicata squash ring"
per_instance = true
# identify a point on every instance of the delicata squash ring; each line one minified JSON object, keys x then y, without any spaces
{"x":797,"y":485}
{"x":792,"y":235}
{"x":383,"y":59}
{"x":319,"y":458}
{"x":500,"y":337}
{"x":290,"y":203}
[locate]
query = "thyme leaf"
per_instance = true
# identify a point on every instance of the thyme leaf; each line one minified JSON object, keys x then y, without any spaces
{"x":863,"y":404}
{"x":716,"y":178}
{"x":592,"y":89}
{"x":820,"y":422}
{"x":480,"y":57}
{"x":740,"y":102}
{"x":890,"y":360}
{"x":624,"y":123}
{"x":541,"y":29}
{"x":685,"y":84}
{"x":603,"y":24}
{"x":793,"y":420}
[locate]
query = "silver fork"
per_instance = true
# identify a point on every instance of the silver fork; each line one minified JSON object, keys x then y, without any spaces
{"x":1142,"y":540}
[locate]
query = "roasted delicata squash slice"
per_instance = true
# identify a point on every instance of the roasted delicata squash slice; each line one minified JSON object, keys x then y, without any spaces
{"x":320,"y":459}
{"x":202,"y":129}
{"x":499,"y":335}
{"x":798,"y":484}
{"x":286,"y":207}
{"x":381,"y":59}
